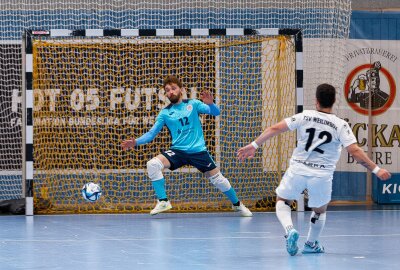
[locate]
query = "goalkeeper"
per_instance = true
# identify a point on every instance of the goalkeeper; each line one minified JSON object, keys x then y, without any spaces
{"x":181,"y":117}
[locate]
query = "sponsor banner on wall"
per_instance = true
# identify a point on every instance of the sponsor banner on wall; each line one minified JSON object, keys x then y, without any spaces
{"x":372,"y":69}
{"x":386,"y":191}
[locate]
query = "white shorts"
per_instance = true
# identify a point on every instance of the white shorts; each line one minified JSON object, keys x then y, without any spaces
{"x":319,"y":188}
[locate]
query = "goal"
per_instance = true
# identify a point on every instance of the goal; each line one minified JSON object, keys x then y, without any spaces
{"x":88,"y":90}
{"x":324,"y":27}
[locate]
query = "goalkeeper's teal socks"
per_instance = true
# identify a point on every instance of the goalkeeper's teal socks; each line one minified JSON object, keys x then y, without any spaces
{"x":159,"y":188}
{"x":231,"y":194}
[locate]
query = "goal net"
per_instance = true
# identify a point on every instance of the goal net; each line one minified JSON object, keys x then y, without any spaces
{"x":91,"y":93}
{"x":324,"y":25}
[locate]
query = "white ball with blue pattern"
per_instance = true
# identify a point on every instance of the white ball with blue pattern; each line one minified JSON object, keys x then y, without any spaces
{"x":91,"y":192}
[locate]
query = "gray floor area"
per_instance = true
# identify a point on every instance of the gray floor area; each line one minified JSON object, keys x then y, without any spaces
{"x":353,"y":239}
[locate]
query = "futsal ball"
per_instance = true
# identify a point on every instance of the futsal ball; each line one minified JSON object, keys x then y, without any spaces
{"x":91,"y":192}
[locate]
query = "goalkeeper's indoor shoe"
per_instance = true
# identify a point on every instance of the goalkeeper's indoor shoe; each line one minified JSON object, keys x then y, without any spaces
{"x":243,"y":210}
{"x":161,"y":207}
{"x":313,"y":248}
{"x":291,"y":242}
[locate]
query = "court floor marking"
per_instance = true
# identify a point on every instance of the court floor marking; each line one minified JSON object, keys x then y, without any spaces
{"x":187,"y":238}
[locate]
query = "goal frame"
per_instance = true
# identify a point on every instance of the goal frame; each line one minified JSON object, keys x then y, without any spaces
{"x":27,"y":77}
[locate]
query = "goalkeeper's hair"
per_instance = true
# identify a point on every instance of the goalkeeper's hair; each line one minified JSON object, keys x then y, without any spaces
{"x":326,"y":95}
{"x":172,"y":79}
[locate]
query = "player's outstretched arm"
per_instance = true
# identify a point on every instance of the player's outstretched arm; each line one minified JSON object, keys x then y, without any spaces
{"x":209,"y":106}
{"x":207,"y":97}
{"x":359,"y":155}
{"x":145,"y":138}
{"x":249,"y":150}
{"x":128,"y":144}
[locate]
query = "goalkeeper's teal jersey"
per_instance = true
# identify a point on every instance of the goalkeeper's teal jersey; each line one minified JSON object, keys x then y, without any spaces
{"x":183,"y":123}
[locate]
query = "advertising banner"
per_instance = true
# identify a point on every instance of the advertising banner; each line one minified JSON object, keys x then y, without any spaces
{"x":372,"y":70}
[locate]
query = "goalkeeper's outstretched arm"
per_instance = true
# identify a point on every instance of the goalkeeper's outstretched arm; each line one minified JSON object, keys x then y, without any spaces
{"x":209,"y":106}
{"x":145,"y":138}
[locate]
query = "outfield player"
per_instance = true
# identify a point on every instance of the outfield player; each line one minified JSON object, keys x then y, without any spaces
{"x":181,"y":117}
{"x":321,"y":136}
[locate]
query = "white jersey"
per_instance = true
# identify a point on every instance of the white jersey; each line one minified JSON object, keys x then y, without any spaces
{"x":320,"y":139}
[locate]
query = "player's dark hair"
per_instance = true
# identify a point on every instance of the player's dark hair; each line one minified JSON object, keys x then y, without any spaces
{"x":326,"y":95}
{"x":172,"y":79}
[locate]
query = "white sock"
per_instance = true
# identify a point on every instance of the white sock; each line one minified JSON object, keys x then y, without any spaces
{"x":284,"y":214}
{"x":317,"y":223}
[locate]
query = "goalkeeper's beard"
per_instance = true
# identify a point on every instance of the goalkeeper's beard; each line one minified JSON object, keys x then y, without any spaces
{"x":175,"y":98}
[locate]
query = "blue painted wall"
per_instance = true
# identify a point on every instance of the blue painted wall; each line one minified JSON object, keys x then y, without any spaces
{"x":375,"y":25}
